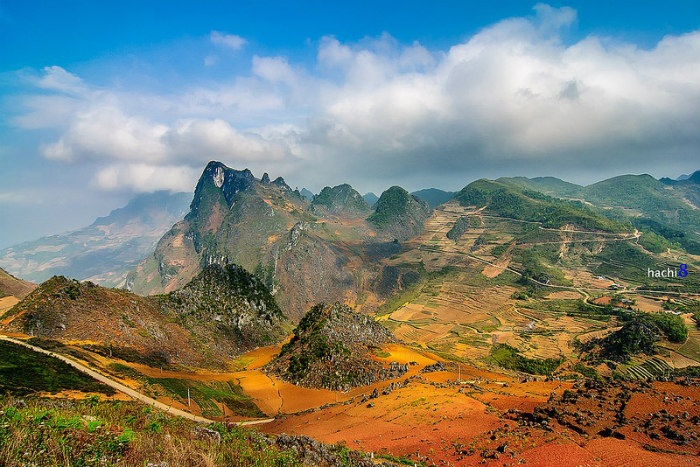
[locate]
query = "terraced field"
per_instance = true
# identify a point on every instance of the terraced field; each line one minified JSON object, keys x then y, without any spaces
{"x":466,"y":301}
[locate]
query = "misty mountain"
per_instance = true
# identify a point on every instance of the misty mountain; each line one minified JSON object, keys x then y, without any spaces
{"x":341,"y":199}
{"x":370,"y":198}
{"x":104,"y":251}
{"x":399,"y":213}
{"x":307,"y":194}
{"x":433,"y":196}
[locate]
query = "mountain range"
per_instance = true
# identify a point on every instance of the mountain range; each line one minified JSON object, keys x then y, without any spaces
{"x":303,"y":251}
{"x":105,"y":251}
{"x":509,"y":305}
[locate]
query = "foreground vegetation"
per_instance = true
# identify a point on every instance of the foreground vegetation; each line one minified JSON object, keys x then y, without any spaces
{"x":23,"y":371}
{"x":51,"y":432}
{"x":509,"y":357}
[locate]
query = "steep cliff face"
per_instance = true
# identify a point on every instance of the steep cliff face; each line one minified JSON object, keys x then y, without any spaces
{"x":332,"y":348}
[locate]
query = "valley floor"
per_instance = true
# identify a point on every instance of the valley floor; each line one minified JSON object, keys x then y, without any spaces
{"x":458,"y":415}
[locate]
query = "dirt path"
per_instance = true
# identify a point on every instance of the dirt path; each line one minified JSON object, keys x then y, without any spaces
{"x":125,"y":389}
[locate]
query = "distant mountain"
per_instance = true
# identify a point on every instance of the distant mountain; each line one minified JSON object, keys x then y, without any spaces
{"x":370,"y":198}
{"x":683,"y":177}
{"x":671,"y":211}
{"x":341,"y":200}
{"x":433,"y":196}
{"x":512,"y":201}
{"x":663,"y":208}
{"x":332,"y":349}
{"x":106,"y":250}
{"x":307,"y":194}
{"x":548,"y":185}
{"x":399,"y":214}
{"x":221,"y":313}
{"x":695,"y":177}
{"x":10,"y":285}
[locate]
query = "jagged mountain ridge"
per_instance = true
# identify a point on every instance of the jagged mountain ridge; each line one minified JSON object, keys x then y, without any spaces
{"x":304,"y":252}
{"x":221,"y":313}
{"x":105,"y":251}
{"x":433,"y":196}
{"x":263,"y":226}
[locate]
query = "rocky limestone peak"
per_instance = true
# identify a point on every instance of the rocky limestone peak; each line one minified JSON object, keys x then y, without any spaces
{"x":265,"y":178}
{"x":306,"y":193}
{"x":341,"y":199}
{"x":279,"y":181}
{"x":229,"y":181}
{"x":399,"y":213}
{"x":332,"y":348}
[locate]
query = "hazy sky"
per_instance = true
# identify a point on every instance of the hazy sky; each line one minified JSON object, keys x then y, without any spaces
{"x":102,"y":100}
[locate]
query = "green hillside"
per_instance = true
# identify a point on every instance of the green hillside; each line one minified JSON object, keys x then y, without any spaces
{"x":506,"y":200}
{"x":399,"y":213}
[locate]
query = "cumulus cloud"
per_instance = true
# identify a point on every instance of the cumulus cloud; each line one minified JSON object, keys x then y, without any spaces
{"x":515,"y":98}
{"x":106,"y":132}
{"x":56,"y":78}
{"x":147,"y":177}
{"x":230,"y":41}
{"x":217,"y":139}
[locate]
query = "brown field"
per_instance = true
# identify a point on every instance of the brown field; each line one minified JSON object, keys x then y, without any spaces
{"x":564,"y":295}
{"x":6,"y":303}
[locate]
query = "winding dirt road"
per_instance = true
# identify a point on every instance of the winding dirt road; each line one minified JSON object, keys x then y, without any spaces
{"x":125,"y":389}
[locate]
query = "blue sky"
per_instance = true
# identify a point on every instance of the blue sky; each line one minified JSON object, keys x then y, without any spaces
{"x":103,"y":100}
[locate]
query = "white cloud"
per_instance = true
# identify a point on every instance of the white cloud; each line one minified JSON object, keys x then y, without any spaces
{"x":230,"y":41}
{"x":147,"y":178}
{"x":106,"y":132}
{"x":273,"y":69}
{"x":56,"y":78}
{"x":7,"y":197}
{"x":215,"y":139}
{"x":514,"y":96}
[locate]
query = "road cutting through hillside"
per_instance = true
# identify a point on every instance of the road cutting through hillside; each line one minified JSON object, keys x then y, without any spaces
{"x":125,"y":389}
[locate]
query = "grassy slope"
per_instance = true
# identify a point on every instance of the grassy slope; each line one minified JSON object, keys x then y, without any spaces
{"x":513,"y":202}
{"x":82,"y":433}
{"x":23,"y":371}
{"x":10,"y":285}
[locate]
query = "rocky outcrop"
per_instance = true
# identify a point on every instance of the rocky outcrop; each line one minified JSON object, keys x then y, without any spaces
{"x":223,"y":312}
{"x":341,"y":200}
{"x":458,"y":229}
{"x":398,"y":214}
{"x":229,"y":309}
{"x":332,"y":349}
